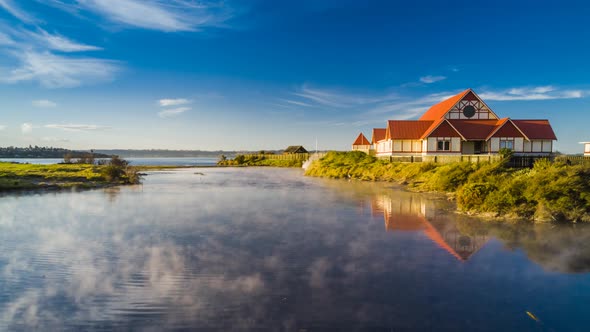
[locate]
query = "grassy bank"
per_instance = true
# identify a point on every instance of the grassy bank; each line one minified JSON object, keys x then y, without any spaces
{"x":15,"y":176}
{"x":547,"y":192}
{"x":259,"y":160}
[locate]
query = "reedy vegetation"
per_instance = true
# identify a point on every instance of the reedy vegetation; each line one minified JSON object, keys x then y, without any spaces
{"x":255,"y":160}
{"x":14,"y":176}
{"x":550,"y":191}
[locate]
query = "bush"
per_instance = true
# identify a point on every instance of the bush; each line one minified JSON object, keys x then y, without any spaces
{"x":118,"y":170}
{"x":550,"y":191}
{"x":473,"y":195}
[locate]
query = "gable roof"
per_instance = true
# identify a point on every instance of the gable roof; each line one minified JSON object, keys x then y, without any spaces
{"x":475,"y":129}
{"x":361,"y":140}
{"x":502,"y":123}
{"x":295,"y":149}
{"x":536,"y":129}
{"x":378,"y":134}
{"x":436,"y":124}
{"x":437,"y":111}
{"x":406,"y":129}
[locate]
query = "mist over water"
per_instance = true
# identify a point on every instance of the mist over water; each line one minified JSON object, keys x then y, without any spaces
{"x":269,"y":249}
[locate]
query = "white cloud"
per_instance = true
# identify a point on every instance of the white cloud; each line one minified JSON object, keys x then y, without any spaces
{"x":173,"y":112}
{"x":15,"y":11}
{"x":44,"y":103}
{"x":532,"y":93}
{"x":6,"y":40}
{"x":60,"y":43}
{"x":163,"y":15}
{"x":296,"y":103}
{"x":54,"y":71}
{"x":26,"y":128}
{"x":431,"y":79}
{"x":173,"y":102}
{"x":408,"y":108}
{"x":76,"y":127}
{"x":320,"y":97}
{"x":54,"y":139}
{"x":2,"y":127}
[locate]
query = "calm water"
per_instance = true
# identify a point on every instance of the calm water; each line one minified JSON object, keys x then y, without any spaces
{"x":271,"y":250}
{"x":132,"y":161}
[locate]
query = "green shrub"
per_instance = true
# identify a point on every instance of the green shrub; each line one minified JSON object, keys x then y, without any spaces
{"x":549,"y":191}
{"x":473,"y":195}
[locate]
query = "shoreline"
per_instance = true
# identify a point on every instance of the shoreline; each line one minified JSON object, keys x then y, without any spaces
{"x":15,"y":177}
{"x":548,"y":192}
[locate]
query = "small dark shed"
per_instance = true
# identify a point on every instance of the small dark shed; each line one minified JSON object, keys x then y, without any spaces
{"x":295,"y":149}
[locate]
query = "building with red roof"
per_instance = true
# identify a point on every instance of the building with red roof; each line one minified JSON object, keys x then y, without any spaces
{"x":462,"y":125}
{"x":361,"y":143}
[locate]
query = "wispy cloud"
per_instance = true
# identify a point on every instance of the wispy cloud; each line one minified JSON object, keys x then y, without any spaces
{"x":6,"y":40}
{"x":56,"y":71}
{"x":2,"y":127}
{"x":296,"y":103}
{"x":44,"y":103}
{"x":54,"y":139}
{"x":532,"y":93}
{"x":173,"y":112}
{"x":37,"y":55}
{"x":338,"y":99}
{"x":173,"y":102}
{"x":26,"y":128}
{"x":428,"y":79}
{"x":58,"y":42}
{"x":408,"y":108}
{"x":16,"y":11}
{"x":163,"y":15}
{"x":77,"y":127}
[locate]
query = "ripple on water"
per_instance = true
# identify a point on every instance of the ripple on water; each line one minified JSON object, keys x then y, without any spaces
{"x":268,"y":249}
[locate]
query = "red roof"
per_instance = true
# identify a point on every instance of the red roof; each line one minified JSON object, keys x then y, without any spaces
{"x":476,"y":129}
{"x":439,"y":110}
{"x":406,"y":129}
{"x":378,"y":134}
{"x":536,"y":129}
{"x":361,"y":140}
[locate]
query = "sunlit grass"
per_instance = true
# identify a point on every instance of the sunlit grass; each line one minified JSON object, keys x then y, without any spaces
{"x":29,"y":176}
{"x":547,"y":192}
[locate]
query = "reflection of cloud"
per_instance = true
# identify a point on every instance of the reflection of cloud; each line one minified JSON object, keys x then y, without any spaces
{"x":237,"y":248}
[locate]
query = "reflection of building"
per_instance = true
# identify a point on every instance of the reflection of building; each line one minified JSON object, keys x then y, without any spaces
{"x":414,"y":213}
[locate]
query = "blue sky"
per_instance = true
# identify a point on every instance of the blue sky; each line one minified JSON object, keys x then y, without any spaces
{"x":187,"y":74}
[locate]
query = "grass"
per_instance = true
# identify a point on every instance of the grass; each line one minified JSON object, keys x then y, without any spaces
{"x":15,"y":176}
{"x":550,"y":191}
{"x":253,"y":160}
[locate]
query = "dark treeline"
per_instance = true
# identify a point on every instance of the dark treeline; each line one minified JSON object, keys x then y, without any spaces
{"x":44,"y":152}
{"x":155,"y":153}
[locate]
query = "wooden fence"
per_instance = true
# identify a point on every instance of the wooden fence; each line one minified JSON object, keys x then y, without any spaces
{"x":445,"y":159}
{"x":290,"y":156}
{"x":515,"y":161}
{"x":573,"y":160}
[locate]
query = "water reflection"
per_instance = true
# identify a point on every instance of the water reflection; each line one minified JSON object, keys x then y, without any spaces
{"x":266,"y":249}
{"x":416,"y":213}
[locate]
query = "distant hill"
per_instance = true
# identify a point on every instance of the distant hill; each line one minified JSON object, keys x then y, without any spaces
{"x":45,"y":152}
{"x":155,"y":153}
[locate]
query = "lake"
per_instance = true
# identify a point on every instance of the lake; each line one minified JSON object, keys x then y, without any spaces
{"x":268,"y":249}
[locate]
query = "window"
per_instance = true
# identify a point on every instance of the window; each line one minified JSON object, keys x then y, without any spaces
{"x":507,"y":143}
{"x":443,"y":144}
